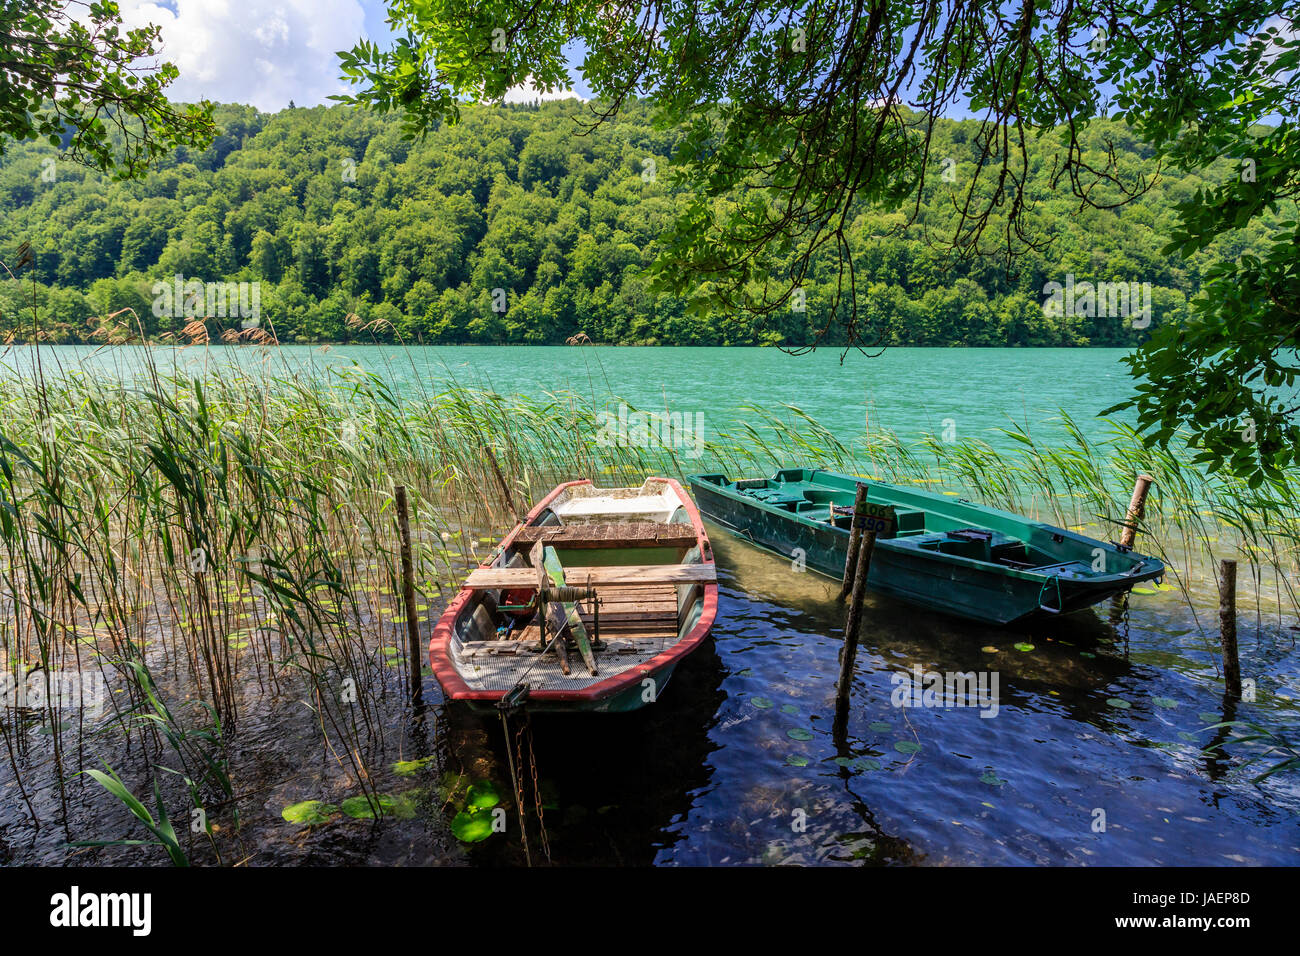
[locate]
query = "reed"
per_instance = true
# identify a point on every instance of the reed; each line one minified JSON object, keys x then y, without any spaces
{"x":230,"y":531}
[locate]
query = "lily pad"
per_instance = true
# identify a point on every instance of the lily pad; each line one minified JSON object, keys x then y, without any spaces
{"x":990,"y":649}
{"x":761,"y":702}
{"x":1118,"y":703}
{"x":794,"y":760}
{"x":309,"y":812}
{"x":799,"y":733}
{"x":1087,"y":654}
{"x":1210,"y":718}
{"x":471,"y":827}
{"x":1190,"y":738}
{"x":880,"y":727}
{"x":844,"y":761}
{"x":482,"y":796}
{"x":992,"y":779}
{"x":409,"y":768}
{"x":866,"y":763}
{"x":1023,"y":646}
{"x":365,"y":807}
{"x":789,"y":709}
{"x":1168,"y":703}
{"x":907,"y":746}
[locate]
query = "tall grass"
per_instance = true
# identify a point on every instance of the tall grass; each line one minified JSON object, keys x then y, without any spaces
{"x":232,"y":531}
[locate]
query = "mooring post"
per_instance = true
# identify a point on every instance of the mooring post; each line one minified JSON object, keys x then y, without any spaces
{"x":855,"y":539}
{"x":1228,"y":626}
{"x":853,"y":624}
{"x":1136,"y":509}
{"x":408,"y":595}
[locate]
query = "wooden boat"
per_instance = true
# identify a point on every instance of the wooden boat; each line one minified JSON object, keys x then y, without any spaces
{"x":942,"y":553}
{"x":589,"y":604}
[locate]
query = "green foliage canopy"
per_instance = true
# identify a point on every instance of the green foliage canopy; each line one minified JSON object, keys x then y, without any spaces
{"x":89,"y":88}
{"x":796,"y":114}
{"x":336,"y":214}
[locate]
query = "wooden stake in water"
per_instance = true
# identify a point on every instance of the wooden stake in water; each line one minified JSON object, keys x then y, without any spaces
{"x":853,"y":623}
{"x":1136,"y":509}
{"x":1228,"y":626}
{"x":855,"y":539}
{"x":408,"y":595}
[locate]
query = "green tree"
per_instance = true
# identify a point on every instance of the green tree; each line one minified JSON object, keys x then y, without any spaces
{"x":795,"y":117}
{"x":92,"y":90}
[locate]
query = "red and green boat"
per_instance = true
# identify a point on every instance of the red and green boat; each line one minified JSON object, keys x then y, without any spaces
{"x":588,"y":604}
{"x":945,"y":554}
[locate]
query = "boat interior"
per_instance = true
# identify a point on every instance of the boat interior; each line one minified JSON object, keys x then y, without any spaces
{"x":634,"y":547}
{"x":929,"y":522}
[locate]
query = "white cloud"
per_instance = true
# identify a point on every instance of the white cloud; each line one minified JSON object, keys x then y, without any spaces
{"x":262,"y":52}
{"x":526,"y":92}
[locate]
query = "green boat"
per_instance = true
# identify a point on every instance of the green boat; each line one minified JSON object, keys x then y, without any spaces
{"x":942,"y":553}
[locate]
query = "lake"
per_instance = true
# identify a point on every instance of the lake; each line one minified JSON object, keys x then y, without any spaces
{"x":1099,"y":752}
{"x":911,"y":391}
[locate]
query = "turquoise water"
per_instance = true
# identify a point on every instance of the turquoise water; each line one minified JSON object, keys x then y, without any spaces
{"x":1104,"y":717}
{"x":970,"y":393}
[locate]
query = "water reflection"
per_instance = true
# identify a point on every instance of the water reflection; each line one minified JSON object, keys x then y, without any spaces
{"x":1097,"y":753}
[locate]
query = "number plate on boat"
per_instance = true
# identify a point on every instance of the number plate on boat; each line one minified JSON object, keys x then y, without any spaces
{"x":880,"y":519}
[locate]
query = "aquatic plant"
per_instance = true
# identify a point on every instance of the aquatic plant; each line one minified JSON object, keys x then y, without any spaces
{"x":230,"y":528}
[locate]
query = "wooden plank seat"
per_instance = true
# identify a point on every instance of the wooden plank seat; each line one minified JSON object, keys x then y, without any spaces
{"x":484,"y":579}
{"x":610,"y":535}
{"x":636,"y":609}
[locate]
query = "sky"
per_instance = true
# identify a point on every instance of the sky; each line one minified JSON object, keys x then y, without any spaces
{"x":269,"y":52}
{"x":265,"y":53}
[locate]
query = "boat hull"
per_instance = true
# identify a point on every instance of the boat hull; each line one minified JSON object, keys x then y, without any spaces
{"x":632,"y":696}
{"x":630,"y":688}
{"x":971,"y":590}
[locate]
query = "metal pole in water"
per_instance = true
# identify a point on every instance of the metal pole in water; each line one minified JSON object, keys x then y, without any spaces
{"x":855,"y":539}
{"x":853,"y":624}
{"x":1228,"y":626}
{"x":408,"y":595}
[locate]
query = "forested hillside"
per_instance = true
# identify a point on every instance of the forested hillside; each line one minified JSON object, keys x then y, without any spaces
{"x":512,"y":226}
